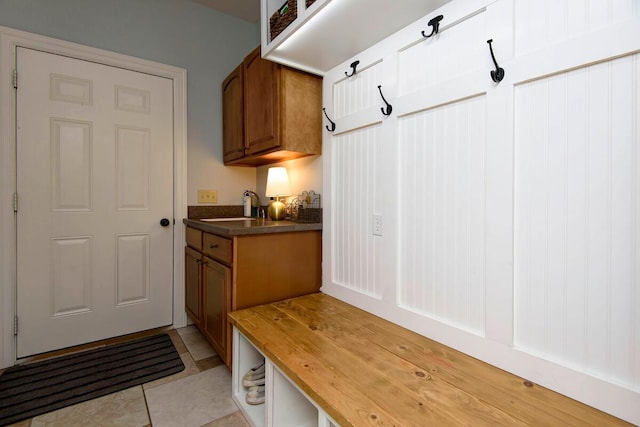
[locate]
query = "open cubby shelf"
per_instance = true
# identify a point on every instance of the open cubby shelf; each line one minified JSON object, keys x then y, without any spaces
{"x":285,"y":404}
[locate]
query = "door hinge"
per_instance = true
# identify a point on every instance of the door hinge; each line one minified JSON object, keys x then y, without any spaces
{"x":15,"y":79}
{"x":15,"y":202}
{"x":15,"y":325}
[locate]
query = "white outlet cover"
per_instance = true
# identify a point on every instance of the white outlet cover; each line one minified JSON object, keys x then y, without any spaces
{"x":377,"y":225}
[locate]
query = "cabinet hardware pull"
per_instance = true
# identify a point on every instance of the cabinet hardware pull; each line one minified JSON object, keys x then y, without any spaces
{"x":333,"y":125}
{"x":353,"y":66}
{"x":240,"y":150}
{"x":386,"y":111}
{"x":213,"y":246}
{"x":435,"y":24}
{"x":498,"y":74}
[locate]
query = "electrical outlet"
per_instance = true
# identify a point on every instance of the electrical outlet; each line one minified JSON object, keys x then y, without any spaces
{"x":377,"y":225}
{"x":207,"y":196}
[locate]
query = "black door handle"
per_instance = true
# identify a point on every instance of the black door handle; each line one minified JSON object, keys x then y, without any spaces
{"x":165,"y":222}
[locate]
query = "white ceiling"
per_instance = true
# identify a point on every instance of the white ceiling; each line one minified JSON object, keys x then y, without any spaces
{"x":249,"y":10}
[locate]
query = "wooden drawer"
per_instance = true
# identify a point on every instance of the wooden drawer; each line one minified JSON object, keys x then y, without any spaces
{"x":194,"y":238}
{"x":217,"y":247}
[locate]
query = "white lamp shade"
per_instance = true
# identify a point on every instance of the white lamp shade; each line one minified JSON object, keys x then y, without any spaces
{"x":278,"y":182}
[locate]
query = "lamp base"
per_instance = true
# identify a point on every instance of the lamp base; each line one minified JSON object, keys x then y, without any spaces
{"x":276,"y":210}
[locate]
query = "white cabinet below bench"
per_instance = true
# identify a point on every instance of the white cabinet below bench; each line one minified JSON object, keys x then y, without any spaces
{"x":285,"y":404}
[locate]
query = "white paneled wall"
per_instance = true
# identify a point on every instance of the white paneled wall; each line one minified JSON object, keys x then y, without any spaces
{"x":543,"y":23}
{"x":577,"y":151}
{"x":430,"y":62}
{"x":441,"y":235}
{"x":356,"y":93}
{"x":356,"y":160}
{"x":512,"y":208}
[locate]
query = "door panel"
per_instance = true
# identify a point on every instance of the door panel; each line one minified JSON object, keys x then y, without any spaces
{"x":71,"y":261}
{"x":94,"y":178}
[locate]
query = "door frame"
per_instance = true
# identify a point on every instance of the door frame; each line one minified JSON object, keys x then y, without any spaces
{"x":10,"y":39}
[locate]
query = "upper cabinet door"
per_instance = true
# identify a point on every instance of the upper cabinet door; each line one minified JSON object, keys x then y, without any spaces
{"x":272,"y":113}
{"x":233,"y":115}
{"x":261,"y":113}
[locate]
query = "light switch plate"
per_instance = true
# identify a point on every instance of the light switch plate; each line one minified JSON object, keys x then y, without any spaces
{"x":207,"y":196}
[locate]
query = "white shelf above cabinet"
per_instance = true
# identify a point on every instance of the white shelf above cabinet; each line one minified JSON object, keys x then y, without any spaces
{"x":330,"y":32}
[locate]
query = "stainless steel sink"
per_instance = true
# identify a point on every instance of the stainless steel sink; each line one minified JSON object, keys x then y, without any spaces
{"x":240,"y":218}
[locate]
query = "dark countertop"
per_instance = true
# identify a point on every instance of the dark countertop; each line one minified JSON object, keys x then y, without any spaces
{"x":248,"y":227}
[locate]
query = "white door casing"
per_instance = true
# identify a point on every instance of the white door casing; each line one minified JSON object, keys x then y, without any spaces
{"x":94,"y":177}
{"x":10,"y":40}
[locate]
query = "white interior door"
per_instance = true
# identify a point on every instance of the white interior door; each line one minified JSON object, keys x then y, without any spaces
{"x":94,"y":179}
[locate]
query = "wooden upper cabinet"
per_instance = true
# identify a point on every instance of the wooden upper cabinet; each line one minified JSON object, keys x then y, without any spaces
{"x":282,"y":113}
{"x":233,"y":115}
{"x":261,"y":115}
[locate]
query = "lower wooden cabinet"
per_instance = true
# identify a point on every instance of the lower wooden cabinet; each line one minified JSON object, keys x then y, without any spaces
{"x":224,"y":274}
{"x":193,"y":284}
{"x":216,"y":283}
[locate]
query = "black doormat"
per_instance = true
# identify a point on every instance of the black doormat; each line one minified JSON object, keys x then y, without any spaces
{"x":37,"y":388}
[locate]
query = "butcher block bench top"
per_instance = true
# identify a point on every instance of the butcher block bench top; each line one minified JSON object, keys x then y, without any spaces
{"x":364,"y":371}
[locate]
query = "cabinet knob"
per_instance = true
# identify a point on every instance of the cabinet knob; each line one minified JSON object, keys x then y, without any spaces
{"x":240,"y":150}
{"x":213,"y":246}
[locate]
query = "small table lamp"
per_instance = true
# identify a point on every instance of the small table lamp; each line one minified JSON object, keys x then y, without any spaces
{"x":277,"y":186}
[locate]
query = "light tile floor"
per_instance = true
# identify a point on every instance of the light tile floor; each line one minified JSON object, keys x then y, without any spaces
{"x":199,"y":396}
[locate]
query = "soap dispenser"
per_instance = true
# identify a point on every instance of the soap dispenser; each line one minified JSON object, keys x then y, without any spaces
{"x":246,"y":202}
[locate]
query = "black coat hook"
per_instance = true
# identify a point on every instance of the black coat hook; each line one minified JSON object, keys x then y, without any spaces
{"x":435,"y":23}
{"x":333,"y":125}
{"x":354,"y":64}
{"x":386,"y":111}
{"x":498,"y":74}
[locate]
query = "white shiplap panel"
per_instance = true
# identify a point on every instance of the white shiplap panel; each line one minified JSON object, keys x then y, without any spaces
{"x":356,"y":162}
{"x":540,"y":24}
{"x":576,"y":219}
{"x":358,"y":92}
{"x":441,"y":58}
{"x":441,"y":235}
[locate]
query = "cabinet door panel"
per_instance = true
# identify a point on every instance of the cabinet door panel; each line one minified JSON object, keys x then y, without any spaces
{"x":216,"y":280}
{"x":193,"y":285}
{"x":261,"y":113}
{"x":233,"y":115}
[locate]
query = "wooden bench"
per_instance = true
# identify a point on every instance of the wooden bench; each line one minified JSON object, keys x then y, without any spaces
{"x":363,"y":370}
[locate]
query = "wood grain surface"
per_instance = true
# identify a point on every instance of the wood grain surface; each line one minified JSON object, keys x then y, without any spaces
{"x":364,"y":371}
